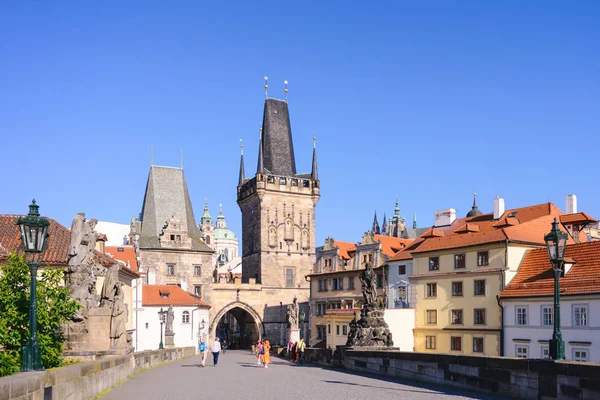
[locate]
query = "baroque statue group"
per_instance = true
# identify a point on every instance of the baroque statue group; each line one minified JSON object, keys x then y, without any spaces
{"x":82,"y":273}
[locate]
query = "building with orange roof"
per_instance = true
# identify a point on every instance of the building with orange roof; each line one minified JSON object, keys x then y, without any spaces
{"x":460,"y":267}
{"x":335,"y":295}
{"x":528,"y":305}
{"x":190,"y":316}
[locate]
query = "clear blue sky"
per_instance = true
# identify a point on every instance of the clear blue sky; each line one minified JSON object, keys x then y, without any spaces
{"x":428,"y":100}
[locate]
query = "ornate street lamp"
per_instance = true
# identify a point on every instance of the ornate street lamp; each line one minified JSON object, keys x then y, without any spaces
{"x":556,"y":242}
{"x":302,"y":318}
{"x":162,"y":316}
{"x":34,"y":231}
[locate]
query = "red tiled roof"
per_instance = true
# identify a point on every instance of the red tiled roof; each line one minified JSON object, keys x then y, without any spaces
{"x":577,"y":218}
{"x":57,"y":246}
{"x":125,"y":254}
{"x":166,"y":295}
{"x":536,"y":278}
{"x":391,"y":245}
{"x":406,"y":254}
{"x":344,"y":248}
{"x":526,"y":225}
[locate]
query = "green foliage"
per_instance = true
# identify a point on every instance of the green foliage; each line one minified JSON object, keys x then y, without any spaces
{"x":54,"y":306}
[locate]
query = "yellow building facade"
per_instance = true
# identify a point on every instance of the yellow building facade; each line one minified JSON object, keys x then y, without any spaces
{"x":460,"y":269}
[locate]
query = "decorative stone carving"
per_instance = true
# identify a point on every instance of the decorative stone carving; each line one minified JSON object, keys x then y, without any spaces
{"x":118,"y":320}
{"x":111,"y":287}
{"x":370,"y":330}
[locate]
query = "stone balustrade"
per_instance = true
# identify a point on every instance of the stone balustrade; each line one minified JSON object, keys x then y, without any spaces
{"x":85,"y":380}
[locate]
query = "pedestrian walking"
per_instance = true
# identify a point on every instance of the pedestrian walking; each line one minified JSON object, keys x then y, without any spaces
{"x":266,"y":353}
{"x":203,"y":348}
{"x":301,"y":347}
{"x":259,"y":352}
{"x":216,"y":349}
{"x":290,"y":349}
{"x":224,"y":346}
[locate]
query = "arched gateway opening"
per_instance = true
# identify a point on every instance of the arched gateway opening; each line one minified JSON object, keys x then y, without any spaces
{"x":239,"y":324}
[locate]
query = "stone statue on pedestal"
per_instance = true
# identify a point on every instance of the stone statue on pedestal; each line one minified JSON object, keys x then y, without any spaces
{"x":370,"y":330}
{"x":292,"y":314}
{"x":169,"y":321}
{"x":111,"y":287}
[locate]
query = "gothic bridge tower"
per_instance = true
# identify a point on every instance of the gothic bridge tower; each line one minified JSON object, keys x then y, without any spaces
{"x":278,"y":209}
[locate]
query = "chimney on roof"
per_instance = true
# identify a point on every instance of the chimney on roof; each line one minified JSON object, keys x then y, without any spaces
{"x":498,"y":207}
{"x":571,"y":204}
{"x":445,"y":217}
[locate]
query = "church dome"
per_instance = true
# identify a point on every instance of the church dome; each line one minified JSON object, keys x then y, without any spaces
{"x":224,"y":233}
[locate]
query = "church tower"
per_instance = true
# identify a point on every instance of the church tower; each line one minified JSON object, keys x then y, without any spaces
{"x":278,"y":208}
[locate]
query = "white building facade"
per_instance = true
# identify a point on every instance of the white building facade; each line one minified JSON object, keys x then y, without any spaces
{"x":190,"y":319}
{"x":528,"y":305}
{"x":528,"y":326}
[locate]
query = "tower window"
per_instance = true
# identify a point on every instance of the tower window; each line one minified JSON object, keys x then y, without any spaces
{"x":170,"y":269}
{"x":207,"y":239}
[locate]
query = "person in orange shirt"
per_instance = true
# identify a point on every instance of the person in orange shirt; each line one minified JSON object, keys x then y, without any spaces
{"x":266,"y":356}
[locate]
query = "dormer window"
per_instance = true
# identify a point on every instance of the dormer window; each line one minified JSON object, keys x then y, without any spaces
{"x":120,"y":249}
{"x":512,"y":214}
{"x":164,"y":295}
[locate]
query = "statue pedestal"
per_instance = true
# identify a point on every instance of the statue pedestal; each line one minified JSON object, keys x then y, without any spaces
{"x":169,"y":340}
{"x":293,"y":335}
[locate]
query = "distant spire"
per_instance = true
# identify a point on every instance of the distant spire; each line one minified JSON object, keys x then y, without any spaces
{"x":376,"y":225}
{"x":241,"y":182}
{"x":314,"y":174}
{"x":415,"y":220}
{"x":384,"y":227}
{"x":266,"y":87}
{"x":286,"y":89}
{"x":397,"y":215}
{"x":260,"y":169}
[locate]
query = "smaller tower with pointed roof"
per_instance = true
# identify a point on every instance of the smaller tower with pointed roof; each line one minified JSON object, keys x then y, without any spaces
{"x":474,"y":210}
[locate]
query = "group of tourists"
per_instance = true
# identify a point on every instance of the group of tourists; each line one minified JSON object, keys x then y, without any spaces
{"x":296,"y":351}
{"x":215,"y":348}
{"x":263,"y":352}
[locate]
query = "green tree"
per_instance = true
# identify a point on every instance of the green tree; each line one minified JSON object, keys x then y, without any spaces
{"x":55,"y":307}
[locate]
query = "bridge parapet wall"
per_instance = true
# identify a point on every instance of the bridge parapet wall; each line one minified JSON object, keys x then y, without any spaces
{"x":515,"y":377}
{"x":85,"y":380}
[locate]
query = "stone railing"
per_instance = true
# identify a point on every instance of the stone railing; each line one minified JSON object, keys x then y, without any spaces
{"x":513,"y":377}
{"x":86,"y":380}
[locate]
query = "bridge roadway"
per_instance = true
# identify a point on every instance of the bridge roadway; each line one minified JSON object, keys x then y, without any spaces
{"x":238,"y":377}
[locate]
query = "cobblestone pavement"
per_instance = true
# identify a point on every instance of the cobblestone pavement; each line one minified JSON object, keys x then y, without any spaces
{"x":238,"y":377}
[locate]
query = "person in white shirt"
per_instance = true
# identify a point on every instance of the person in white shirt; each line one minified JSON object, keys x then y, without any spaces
{"x":216,"y":349}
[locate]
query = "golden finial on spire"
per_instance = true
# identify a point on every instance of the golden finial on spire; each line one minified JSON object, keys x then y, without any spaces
{"x":266,"y":87}
{"x":221,"y":208}
{"x":206,"y":202}
{"x":314,"y":141}
{"x":286,"y":89}
{"x":242,"y":146}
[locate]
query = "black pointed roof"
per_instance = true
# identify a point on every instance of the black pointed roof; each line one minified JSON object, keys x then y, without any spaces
{"x":314,"y":174}
{"x":166,"y":196}
{"x":241,"y":180}
{"x":277,"y":147}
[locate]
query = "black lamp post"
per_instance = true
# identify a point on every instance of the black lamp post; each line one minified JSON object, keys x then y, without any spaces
{"x":162,"y":315}
{"x":34,"y":231}
{"x":556,"y":242}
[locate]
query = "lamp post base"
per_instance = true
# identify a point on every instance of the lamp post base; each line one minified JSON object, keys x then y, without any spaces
{"x":30,"y":357}
{"x":557,"y":349}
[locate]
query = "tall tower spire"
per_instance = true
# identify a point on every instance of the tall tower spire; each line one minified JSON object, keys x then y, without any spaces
{"x":314,"y":174}
{"x":261,"y":168}
{"x":415,"y":220}
{"x":384,"y":227}
{"x":375,"y":228}
{"x":241,"y":182}
{"x":277,"y":144}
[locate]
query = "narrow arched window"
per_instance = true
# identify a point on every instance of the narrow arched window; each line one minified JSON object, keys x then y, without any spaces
{"x":185,"y":317}
{"x":207,"y":239}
